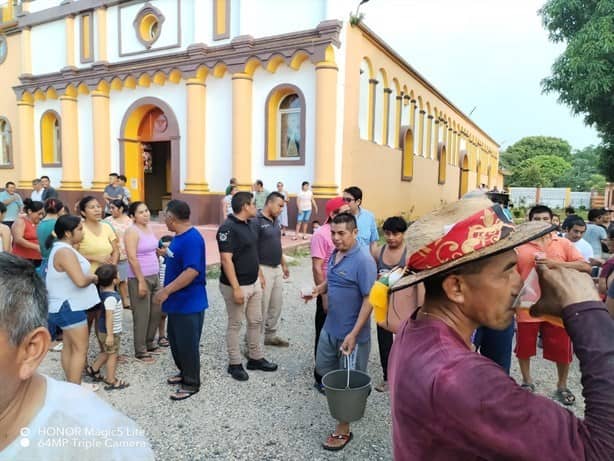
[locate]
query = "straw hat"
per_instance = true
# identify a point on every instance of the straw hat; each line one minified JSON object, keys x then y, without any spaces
{"x":461,"y":232}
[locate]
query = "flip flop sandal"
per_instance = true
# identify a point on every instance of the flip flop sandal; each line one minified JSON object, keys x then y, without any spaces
{"x":331,"y":438}
{"x":182,"y":394}
{"x":145,"y":358}
{"x":154,"y":350}
{"x":565,"y":396}
{"x":118,"y":384}
{"x":163,"y":341}
{"x":528,"y":387}
{"x":122,"y":358}
{"x":94,"y":374}
{"x":177,"y":379}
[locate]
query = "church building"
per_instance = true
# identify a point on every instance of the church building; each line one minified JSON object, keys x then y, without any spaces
{"x":181,"y":95}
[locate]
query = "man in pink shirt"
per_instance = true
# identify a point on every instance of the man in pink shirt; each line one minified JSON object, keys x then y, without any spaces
{"x":450,"y":403}
{"x":321,"y":249}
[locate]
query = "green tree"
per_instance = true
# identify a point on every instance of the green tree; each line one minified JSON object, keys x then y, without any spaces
{"x":583,"y":76}
{"x":539,"y":171}
{"x":584,"y":166}
{"x":532,"y":146}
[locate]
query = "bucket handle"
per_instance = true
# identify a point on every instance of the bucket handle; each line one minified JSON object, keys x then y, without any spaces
{"x":348,"y":361}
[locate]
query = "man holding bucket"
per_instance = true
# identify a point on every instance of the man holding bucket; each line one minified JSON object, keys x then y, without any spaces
{"x":449,"y":402}
{"x":346,"y":331}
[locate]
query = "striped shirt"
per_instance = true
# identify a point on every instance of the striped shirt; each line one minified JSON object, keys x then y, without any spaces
{"x":112,"y":302}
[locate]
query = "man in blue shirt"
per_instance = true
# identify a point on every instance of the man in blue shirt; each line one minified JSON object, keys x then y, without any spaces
{"x":351,"y":274}
{"x":184,"y":298}
{"x":13,"y":203}
{"x":367,"y":227}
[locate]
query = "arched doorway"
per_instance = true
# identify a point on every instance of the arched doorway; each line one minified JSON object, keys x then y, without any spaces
{"x":464,"y":174}
{"x":149,"y":152}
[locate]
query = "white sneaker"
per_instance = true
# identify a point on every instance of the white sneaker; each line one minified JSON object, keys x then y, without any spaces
{"x":90,"y":386}
{"x":58,"y":347}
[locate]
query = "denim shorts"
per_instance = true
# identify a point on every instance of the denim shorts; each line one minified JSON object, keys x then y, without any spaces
{"x":67,"y":318}
{"x":303,"y":216}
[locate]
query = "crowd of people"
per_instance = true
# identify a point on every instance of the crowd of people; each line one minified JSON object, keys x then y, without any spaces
{"x":468,"y":273}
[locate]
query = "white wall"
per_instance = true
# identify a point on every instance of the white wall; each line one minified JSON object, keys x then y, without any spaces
{"x":218,"y":135}
{"x":48,"y":47}
{"x":54,"y":173}
{"x":264,"y":18}
{"x":40,"y":5}
{"x":264,"y":82}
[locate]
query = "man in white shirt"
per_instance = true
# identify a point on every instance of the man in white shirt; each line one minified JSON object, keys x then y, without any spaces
{"x":575,"y":232}
{"x":44,"y":419}
{"x":37,"y":190}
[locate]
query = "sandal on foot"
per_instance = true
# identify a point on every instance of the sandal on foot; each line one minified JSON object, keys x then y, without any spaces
{"x":528,"y":387}
{"x":177,"y":379}
{"x":94,"y":374}
{"x":565,"y":396}
{"x":182,"y":394}
{"x":122,"y":358}
{"x":145,"y":358}
{"x":331,"y":444}
{"x":163,"y":341}
{"x":115,"y":385}
{"x":154,"y":350}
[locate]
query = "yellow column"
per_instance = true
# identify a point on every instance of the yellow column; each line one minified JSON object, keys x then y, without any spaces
{"x":429,"y":137}
{"x":326,"y":129}
{"x":421,"y":133}
{"x":397,"y":121}
{"x":371,"y":126}
{"x":101,"y":128}
{"x":242,"y":129}
{"x":71,"y":174}
{"x":26,"y":52}
{"x":196,"y":153}
{"x":70,"y":40}
{"x":27,"y":161}
{"x":101,"y":28}
{"x":386,"y":116}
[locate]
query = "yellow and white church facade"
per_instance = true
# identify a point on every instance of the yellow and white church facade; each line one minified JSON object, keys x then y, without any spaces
{"x":181,"y":95}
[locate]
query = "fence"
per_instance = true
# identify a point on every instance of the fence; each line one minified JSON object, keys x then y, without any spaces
{"x":554,"y":197}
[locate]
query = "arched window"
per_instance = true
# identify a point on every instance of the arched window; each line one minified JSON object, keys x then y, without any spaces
{"x":442,"y":156}
{"x":51,"y":139}
{"x":407,"y":145}
{"x":285,"y":131}
{"x":6,"y":144}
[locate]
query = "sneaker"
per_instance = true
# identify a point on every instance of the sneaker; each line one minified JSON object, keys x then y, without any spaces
{"x":276,"y":341}
{"x":57,"y":348}
{"x":382,"y":387}
{"x":261,"y":364}
{"x":90,"y":386}
{"x":238,"y":372}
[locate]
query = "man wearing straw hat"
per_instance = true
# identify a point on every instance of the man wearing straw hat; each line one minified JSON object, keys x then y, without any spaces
{"x":347,"y":328}
{"x":449,"y":403}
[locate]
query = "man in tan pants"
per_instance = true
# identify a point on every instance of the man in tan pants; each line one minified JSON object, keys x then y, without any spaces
{"x":273,"y":267}
{"x":241,"y":284}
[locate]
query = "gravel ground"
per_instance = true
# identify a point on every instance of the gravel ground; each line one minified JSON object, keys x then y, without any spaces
{"x":273,"y":416}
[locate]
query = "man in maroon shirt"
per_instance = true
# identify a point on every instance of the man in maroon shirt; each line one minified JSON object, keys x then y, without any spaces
{"x":449,"y":403}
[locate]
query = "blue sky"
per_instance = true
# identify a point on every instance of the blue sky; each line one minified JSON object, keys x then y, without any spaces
{"x":487,"y":54}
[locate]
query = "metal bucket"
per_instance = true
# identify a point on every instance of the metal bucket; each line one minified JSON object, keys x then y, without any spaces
{"x":346,"y":393}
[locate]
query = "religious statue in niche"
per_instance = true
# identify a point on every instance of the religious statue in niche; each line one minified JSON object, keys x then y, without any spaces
{"x":147,"y":159}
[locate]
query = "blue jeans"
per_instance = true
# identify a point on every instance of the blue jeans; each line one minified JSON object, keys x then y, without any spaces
{"x":303,"y":216}
{"x":496,"y":345}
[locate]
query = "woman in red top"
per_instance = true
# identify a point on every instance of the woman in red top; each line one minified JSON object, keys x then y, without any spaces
{"x":25,"y":240}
